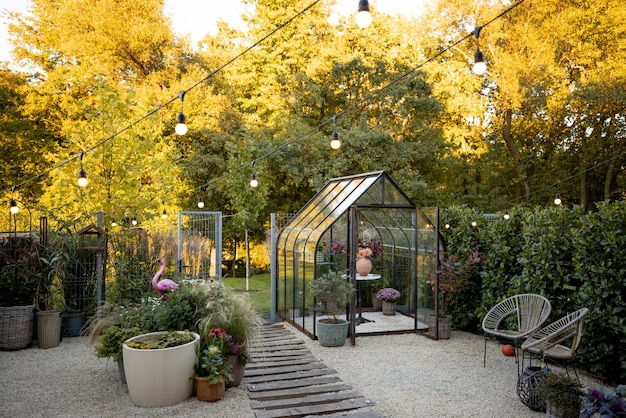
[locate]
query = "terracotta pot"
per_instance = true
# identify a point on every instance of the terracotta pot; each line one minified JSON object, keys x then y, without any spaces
{"x":363,"y":266}
{"x":238,"y":370}
{"x":210,"y":392}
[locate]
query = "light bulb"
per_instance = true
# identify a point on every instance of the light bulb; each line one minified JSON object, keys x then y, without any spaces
{"x":363,"y":19}
{"x":335,"y":143}
{"x":113,"y":224}
{"x":557,"y":199}
{"x":134,"y":221}
{"x":181,"y":124}
{"x":253,"y":181}
{"x":480,"y":67}
{"x":164,"y":214}
{"x":200,"y":202}
{"x":506,"y":216}
{"x":82,"y":178}
{"x":13,"y":207}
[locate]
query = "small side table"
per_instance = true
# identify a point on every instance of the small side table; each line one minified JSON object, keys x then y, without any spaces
{"x":359,"y":279}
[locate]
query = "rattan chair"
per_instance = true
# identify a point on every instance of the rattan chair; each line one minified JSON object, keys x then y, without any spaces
{"x":558,"y":341}
{"x":515,"y":318}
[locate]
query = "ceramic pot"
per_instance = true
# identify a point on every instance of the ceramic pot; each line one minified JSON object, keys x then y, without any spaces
{"x":330,"y":334}
{"x":159,"y":377}
{"x":48,"y":329}
{"x":389,"y":308}
{"x":363,"y":266}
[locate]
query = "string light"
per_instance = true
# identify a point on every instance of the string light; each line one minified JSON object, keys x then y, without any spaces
{"x":335,"y":143}
{"x":181,"y":120}
{"x":113,"y":223}
{"x":557,"y":199}
{"x":82,"y":174}
{"x":253,"y":181}
{"x":506,"y":215}
{"x":363,"y":15}
{"x":164,"y":213}
{"x":134,"y":221}
{"x":474,"y":223}
{"x":13,"y":208}
{"x":200,"y":202}
{"x":363,"y":7}
{"x":479,"y":60}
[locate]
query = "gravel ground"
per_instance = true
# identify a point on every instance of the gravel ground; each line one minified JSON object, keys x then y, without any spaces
{"x":404,"y":375}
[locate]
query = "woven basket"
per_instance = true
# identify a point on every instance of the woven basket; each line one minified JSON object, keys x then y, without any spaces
{"x":16,"y":327}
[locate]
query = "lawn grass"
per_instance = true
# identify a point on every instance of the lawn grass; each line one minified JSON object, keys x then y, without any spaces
{"x":259,"y":290}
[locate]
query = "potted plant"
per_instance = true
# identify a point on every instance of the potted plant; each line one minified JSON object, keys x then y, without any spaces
{"x":57,"y":261}
{"x":561,"y":394}
{"x":389,"y":296}
{"x":603,"y":403}
{"x":452,"y":276}
{"x":160,"y":367}
{"x":110,"y":345}
{"x":212,"y":369}
{"x":233,"y":313}
{"x":332,"y":292}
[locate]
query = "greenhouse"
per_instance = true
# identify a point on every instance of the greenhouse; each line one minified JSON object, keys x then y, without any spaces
{"x":351,"y":213}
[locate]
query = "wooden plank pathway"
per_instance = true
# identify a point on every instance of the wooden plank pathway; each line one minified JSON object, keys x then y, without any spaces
{"x":285,"y":380}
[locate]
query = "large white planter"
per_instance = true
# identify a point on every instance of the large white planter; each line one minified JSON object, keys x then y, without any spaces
{"x":159,"y":377}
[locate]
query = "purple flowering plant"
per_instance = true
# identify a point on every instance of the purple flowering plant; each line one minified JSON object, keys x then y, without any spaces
{"x":604,"y":404}
{"x":389,"y":294}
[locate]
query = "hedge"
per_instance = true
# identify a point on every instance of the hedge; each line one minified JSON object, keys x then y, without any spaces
{"x":573,"y":258}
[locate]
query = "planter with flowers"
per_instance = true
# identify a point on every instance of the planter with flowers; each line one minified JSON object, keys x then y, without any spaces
{"x":367,"y":250}
{"x":389,"y":297}
{"x":452,"y":277}
{"x":212,"y":369}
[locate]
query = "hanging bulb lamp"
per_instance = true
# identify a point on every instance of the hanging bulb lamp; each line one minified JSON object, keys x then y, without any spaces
{"x":200,"y":202}
{"x":363,"y":15}
{"x":253,"y":181}
{"x":13,"y":208}
{"x":181,"y":119}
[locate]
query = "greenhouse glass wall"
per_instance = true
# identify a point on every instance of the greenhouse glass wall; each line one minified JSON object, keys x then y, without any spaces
{"x":326,"y":234}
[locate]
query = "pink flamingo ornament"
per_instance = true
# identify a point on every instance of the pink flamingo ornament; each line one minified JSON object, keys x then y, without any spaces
{"x":164,"y":285}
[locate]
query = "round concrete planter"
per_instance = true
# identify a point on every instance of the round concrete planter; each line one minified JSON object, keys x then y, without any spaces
{"x":332,"y":335}
{"x":48,"y":329}
{"x":159,"y":377}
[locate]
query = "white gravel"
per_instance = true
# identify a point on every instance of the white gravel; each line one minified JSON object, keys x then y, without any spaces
{"x":404,"y":375}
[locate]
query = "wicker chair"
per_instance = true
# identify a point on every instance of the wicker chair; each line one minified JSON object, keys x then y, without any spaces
{"x":515,"y":318}
{"x":558,"y":341}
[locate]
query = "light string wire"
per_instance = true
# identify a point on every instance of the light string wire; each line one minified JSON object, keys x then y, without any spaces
{"x":363,"y":99}
{"x":167,"y":103}
{"x":311,"y":130}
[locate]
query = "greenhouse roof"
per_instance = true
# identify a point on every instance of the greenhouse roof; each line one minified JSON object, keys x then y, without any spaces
{"x":368,"y":190}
